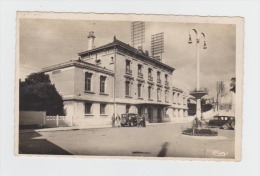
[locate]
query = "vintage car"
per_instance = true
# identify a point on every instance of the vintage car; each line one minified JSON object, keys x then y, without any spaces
{"x":225,"y":122}
{"x":131,"y":119}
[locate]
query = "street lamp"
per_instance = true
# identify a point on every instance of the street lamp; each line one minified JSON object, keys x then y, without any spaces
{"x":198,"y":93}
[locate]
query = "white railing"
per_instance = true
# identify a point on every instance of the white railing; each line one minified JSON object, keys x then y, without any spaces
{"x":58,"y":121}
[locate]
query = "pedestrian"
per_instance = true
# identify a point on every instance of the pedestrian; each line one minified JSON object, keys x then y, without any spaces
{"x":144,"y":123}
{"x":118,"y":121}
{"x":113,"y":120}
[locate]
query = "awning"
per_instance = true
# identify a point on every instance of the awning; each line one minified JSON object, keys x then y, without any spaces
{"x":153,"y":104}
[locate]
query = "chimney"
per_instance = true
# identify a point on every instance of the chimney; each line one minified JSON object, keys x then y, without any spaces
{"x":91,"y":38}
{"x":146,"y":53}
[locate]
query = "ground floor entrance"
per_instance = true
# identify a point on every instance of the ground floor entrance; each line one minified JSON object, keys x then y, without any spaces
{"x":152,"y":113}
{"x":91,"y":113}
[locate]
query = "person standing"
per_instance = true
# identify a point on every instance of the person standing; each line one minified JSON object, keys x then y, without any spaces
{"x":113,"y":120}
{"x":118,"y":121}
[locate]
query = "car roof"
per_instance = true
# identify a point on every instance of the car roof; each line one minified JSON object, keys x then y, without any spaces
{"x":223,"y":116}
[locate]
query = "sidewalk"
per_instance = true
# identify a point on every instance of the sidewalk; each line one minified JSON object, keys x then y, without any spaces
{"x":63,"y":128}
{"x":81,"y":128}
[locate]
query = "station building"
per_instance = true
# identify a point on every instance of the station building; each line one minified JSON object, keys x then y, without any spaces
{"x":117,"y":78}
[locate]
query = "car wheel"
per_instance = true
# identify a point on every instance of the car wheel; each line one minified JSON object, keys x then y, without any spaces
{"x":233,"y":125}
{"x":225,"y":127}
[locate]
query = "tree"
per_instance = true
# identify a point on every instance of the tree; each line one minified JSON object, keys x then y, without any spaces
{"x":233,"y":85}
{"x":38,"y":94}
{"x":204,"y":107}
{"x":220,"y":89}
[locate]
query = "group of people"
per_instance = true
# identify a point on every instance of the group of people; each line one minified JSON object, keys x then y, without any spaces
{"x":116,"y":121}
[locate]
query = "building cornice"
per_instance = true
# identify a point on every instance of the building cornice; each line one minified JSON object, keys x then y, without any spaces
{"x":177,"y":89}
{"x":79,"y":64}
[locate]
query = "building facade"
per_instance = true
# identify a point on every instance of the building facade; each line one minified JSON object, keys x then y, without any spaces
{"x":114,"y":79}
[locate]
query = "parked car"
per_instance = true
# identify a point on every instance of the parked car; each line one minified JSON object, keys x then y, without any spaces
{"x":132,"y":119}
{"x":225,"y":122}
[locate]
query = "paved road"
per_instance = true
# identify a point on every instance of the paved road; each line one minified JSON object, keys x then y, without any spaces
{"x":164,"y":140}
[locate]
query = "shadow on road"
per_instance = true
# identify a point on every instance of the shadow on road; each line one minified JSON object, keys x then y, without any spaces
{"x":164,"y":149}
{"x":28,"y":145}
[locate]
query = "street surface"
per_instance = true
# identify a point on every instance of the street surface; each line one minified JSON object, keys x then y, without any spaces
{"x":162,"y":140}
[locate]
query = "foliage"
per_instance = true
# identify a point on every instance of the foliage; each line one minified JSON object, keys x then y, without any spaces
{"x":204,"y":107}
{"x":220,"y":90}
{"x":38,"y":94}
{"x":233,"y":85}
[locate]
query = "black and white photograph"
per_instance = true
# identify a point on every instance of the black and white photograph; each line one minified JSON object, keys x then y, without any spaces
{"x":129,"y":86}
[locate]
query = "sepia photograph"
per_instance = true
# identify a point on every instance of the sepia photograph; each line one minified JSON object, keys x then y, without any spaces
{"x":129,"y":86}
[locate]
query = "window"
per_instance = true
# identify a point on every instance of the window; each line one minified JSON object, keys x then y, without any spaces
{"x":150,"y":72}
{"x":139,"y":87}
{"x":158,"y":75}
{"x":159,"y":94}
{"x":102,"y":108}
{"x":166,"y":78}
{"x":140,"y":74}
{"x":173,"y":97}
{"x":127,"y":108}
{"x":149,"y":92}
{"x":127,"y":88}
{"x":166,"y":95}
{"x":88,"y":108}
{"x":180,"y":99}
{"x":139,"y":68}
{"x":102,"y":84}
{"x":88,"y":81}
{"x":128,"y":62}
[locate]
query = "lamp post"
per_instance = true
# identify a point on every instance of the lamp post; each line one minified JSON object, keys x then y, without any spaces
{"x":198,"y":93}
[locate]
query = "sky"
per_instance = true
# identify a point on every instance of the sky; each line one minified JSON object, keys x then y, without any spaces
{"x":45,"y":42}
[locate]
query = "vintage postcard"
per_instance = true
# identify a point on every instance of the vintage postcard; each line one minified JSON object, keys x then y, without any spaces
{"x":129,"y":86}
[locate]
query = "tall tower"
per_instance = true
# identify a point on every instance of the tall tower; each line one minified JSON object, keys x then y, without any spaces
{"x":137,"y":34}
{"x":91,"y":37}
{"x":157,"y":46}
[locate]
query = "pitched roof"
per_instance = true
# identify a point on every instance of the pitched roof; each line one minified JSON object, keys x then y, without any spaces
{"x":77,"y":63}
{"x":121,"y":44}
